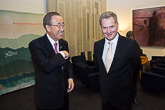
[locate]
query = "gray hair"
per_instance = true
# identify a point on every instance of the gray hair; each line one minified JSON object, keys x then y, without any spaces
{"x":107,"y":15}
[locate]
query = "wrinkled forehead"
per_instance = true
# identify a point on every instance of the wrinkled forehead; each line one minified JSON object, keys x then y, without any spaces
{"x":57,"y":20}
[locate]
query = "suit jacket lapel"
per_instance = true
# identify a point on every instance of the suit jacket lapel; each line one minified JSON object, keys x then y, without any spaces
{"x":48,"y":45}
{"x":117,"y":53}
{"x":60,"y":45}
{"x":100,"y":53}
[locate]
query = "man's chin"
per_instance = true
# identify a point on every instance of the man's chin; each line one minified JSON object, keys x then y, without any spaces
{"x":109,"y":37}
{"x":60,"y":37}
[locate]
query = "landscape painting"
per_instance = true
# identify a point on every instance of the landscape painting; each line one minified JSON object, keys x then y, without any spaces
{"x":16,"y":31}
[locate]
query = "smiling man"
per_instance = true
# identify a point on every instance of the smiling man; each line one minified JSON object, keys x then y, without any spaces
{"x":118,"y":60}
{"x":53,"y":71}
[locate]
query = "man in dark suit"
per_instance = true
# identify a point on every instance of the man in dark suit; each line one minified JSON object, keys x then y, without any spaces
{"x":116,"y":82}
{"x":53,"y":71}
{"x":131,"y":35}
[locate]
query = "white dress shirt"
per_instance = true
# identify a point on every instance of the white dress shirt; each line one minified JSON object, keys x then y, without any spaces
{"x":53,"y":42}
{"x":106,"y":45}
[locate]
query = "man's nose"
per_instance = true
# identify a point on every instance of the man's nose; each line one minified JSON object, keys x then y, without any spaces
{"x":109,"y":30}
{"x":62,"y":29}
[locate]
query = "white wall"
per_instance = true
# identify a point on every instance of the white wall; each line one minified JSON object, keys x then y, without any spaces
{"x":123,"y":9}
{"x":32,"y":6}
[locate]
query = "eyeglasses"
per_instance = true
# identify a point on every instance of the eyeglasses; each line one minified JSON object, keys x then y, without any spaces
{"x":59,"y":25}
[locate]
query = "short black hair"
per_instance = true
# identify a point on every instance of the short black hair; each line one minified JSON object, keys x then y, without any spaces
{"x":47,"y":18}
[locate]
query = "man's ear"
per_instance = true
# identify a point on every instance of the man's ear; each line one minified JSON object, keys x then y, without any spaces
{"x":48,"y":28}
{"x":117,"y":26}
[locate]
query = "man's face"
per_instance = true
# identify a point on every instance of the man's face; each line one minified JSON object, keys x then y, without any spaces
{"x":56,"y":29}
{"x":131,"y":37}
{"x":109,"y":28}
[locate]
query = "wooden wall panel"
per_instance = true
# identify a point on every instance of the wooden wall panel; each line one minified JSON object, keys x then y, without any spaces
{"x":82,"y":22}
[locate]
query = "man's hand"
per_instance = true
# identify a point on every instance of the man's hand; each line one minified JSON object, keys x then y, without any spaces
{"x":66,"y":54}
{"x":70,"y":85}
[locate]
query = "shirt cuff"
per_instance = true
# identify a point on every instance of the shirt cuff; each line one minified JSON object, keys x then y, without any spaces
{"x":62,"y":54}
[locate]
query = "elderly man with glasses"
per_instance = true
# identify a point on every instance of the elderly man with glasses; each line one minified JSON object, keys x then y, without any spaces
{"x":53,"y":71}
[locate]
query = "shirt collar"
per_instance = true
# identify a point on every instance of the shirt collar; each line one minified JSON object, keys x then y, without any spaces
{"x":51,"y":40}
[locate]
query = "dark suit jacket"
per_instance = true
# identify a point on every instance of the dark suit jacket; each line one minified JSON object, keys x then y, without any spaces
{"x":117,"y":85}
{"x":50,"y":78}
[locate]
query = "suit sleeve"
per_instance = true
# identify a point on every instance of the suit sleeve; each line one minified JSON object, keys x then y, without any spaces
{"x":68,"y":64}
{"x":136,"y":61}
{"x":95,"y":54}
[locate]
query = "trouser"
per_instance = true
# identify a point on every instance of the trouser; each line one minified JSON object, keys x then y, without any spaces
{"x":110,"y":107}
{"x":65,"y":105}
